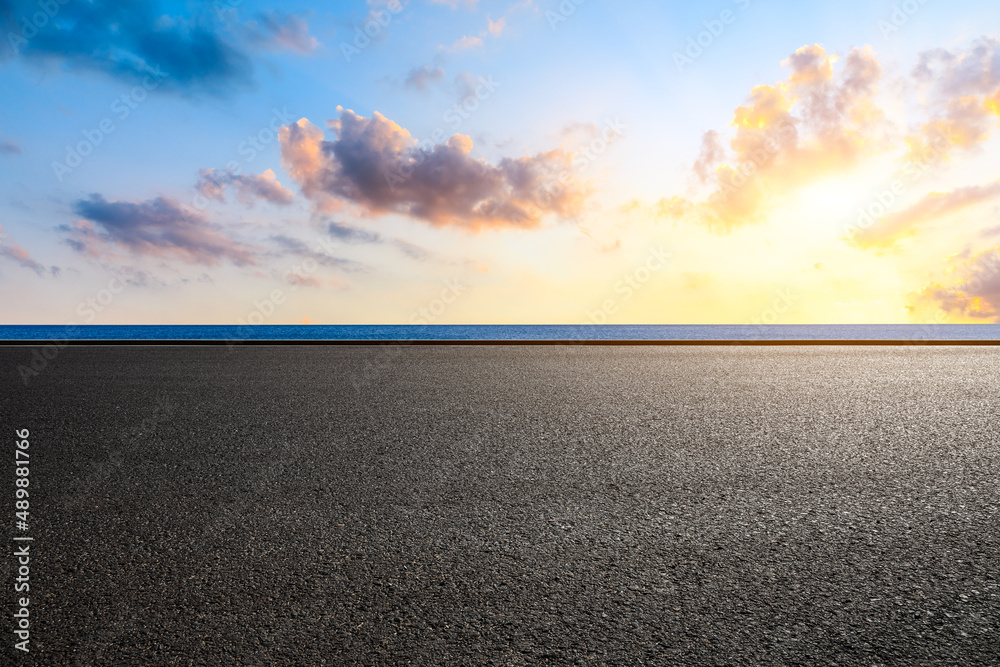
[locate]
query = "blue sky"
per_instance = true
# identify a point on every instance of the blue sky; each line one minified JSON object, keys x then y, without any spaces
{"x":554,"y":147}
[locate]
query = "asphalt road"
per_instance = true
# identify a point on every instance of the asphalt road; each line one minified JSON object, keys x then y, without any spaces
{"x":504,"y":505}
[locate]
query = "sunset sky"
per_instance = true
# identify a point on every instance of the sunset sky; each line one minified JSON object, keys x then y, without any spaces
{"x":499,"y":162}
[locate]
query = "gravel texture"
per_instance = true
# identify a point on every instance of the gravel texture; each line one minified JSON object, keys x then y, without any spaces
{"x":501,"y":505}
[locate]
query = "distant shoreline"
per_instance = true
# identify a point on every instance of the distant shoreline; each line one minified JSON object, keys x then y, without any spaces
{"x":492,"y":342}
{"x":505,"y":334}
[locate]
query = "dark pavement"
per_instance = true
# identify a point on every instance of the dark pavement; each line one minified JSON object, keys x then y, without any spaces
{"x":505,"y":505}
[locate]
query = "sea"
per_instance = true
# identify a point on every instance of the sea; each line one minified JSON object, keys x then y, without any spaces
{"x":489,"y":332}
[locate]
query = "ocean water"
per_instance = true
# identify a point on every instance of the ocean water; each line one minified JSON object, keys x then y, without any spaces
{"x":510,"y":332}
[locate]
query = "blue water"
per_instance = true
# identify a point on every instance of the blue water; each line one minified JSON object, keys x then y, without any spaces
{"x":513,"y":332}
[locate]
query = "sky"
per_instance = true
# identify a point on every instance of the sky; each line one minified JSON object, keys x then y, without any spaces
{"x":499,"y":162}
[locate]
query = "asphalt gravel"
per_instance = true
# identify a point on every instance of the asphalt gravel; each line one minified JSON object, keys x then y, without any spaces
{"x":503,"y":505}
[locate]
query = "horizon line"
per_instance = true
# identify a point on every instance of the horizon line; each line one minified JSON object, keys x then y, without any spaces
{"x":78,"y":342}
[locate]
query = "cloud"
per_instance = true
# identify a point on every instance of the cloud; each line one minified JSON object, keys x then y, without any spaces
{"x":9,"y":148}
{"x":990,"y":231}
{"x":810,"y":66}
{"x":129,"y":40}
{"x":575,"y":132}
{"x":712,"y":153}
{"x":349,"y":234}
{"x":353,"y":235}
{"x":153,"y":228}
{"x":963,"y":88}
{"x":420,"y":78}
{"x":820,"y":120}
{"x":249,"y":188}
{"x":934,"y":206}
{"x":493,"y":28}
{"x":412,"y":250}
{"x":303,"y":157}
{"x":299,"y":248}
{"x":204,"y":51}
{"x":376,"y":165}
{"x":465,"y":84}
{"x":276,"y":31}
{"x":959,"y":73}
{"x":301,"y":280}
{"x":974,"y":296}
{"x":465,"y":43}
{"x":496,"y":27}
{"x":964,"y":123}
{"x":21,"y":257}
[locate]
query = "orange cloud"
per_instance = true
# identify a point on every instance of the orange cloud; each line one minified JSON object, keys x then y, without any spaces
{"x":816,"y":122}
{"x":974,"y":297}
{"x":493,"y":28}
{"x":934,"y":206}
{"x":302,"y":155}
{"x":966,"y":122}
{"x":20,"y":256}
{"x":249,"y":187}
{"x":810,"y":66}
{"x":376,"y":165}
{"x":992,"y":103}
{"x":964,"y":87}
